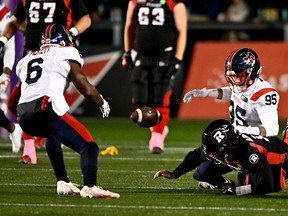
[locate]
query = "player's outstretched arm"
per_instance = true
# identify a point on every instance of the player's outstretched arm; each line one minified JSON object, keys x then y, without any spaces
{"x":213,"y":93}
{"x":86,"y":89}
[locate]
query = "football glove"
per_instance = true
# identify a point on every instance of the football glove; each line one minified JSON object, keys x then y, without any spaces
{"x":173,"y":66}
{"x":1,"y":47}
{"x":195,"y":93}
{"x":105,"y":108}
{"x":229,"y":187}
{"x":74,"y":34}
{"x":3,"y":41}
{"x":4,"y":82}
{"x":127,"y":61}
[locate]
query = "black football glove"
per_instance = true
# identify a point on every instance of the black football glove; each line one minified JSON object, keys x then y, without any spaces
{"x":229,"y":187}
{"x":1,"y":48}
{"x":127,"y":61}
{"x":173,"y":66}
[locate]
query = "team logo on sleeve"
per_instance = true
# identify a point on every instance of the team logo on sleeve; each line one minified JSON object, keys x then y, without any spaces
{"x":253,"y":158}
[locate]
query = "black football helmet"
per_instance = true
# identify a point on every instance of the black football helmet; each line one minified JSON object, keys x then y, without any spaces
{"x":56,"y":34}
{"x":218,"y":140}
{"x":242,"y":68}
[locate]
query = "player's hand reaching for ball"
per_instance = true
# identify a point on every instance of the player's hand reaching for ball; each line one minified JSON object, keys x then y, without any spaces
{"x":195,"y":93}
{"x":164,"y":173}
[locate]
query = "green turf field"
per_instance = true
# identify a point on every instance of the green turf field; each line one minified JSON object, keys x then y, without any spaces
{"x":31,"y":189}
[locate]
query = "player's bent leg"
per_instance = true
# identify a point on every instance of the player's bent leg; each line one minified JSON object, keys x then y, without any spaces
{"x":29,"y":150}
{"x":159,"y":132}
{"x":210,"y":175}
{"x":16,"y":138}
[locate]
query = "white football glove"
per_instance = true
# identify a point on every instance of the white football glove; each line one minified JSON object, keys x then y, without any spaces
{"x":105,"y":109}
{"x":195,"y":93}
{"x":4,"y":82}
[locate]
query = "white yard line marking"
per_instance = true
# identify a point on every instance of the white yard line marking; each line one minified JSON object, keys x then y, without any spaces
{"x":147,"y":207}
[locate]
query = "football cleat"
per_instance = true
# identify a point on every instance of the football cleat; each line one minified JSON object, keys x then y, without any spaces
{"x":67,"y":188}
{"x":25,"y":160}
{"x":16,"y":137}
{"x":97,"y":192}
{"x":156,"y":150}
{"x":156,"y":143}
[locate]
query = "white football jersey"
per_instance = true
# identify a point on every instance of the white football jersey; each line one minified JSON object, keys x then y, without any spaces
{"x":257,"y":105}
{"x":45,"y":72}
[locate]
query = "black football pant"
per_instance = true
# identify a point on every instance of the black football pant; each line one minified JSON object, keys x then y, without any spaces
{"x":211,"y":173}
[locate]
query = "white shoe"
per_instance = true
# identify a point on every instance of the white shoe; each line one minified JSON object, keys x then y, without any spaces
{"x":16,"y":137}
{"x":67,"y":188}
{"x":96,"y":191}
{"x":206,"y":185}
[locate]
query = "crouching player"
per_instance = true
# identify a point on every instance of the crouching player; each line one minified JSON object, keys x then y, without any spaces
{"x":43,"y":110}
{"x":261,"y":162}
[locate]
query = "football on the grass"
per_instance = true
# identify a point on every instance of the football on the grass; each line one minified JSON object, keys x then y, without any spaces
{"x":146,"y":117}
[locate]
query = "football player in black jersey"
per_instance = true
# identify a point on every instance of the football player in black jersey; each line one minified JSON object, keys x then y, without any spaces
{"x":32,"y":17}
{"x":261,"y":162}
{"x":157,"y":31}
{"x":40,"y":13}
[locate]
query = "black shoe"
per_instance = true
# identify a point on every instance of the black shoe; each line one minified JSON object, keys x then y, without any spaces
{"x":25,"y":160}
{"x":157,"y":150}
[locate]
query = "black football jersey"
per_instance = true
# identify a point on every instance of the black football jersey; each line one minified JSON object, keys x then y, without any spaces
{"x":155,"y":27}
{"x":40,"y":13}
{"x":264,"y":159}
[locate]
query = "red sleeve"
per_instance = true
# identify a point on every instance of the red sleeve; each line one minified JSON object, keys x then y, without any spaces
{"x":258,"y":94}
{"x":171,"y":4}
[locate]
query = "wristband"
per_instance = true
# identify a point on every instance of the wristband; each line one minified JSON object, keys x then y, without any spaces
{"x":74,"y":31}
{"x":3,"y":39}
{"x":242,"y":190}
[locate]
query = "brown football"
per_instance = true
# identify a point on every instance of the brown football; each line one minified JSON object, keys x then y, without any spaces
{"x":146,"y":117}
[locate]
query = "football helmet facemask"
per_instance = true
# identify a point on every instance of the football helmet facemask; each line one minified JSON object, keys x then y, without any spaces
{"x":218,"y":140}
{"x":56,"y":34}
{"x":242,"y":68}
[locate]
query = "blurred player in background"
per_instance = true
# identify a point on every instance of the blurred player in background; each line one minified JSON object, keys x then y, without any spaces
{"x":38,"y":14}
{"x":261,"y":162}
{"x":43,"y":110}
{"x":157,"y":31}
{"x":253,"y":106}
{"x":7,"y":61}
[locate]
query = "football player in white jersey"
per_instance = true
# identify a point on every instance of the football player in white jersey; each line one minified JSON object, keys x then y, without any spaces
{"x":44,"y":112}
{"x":253,"y":105}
